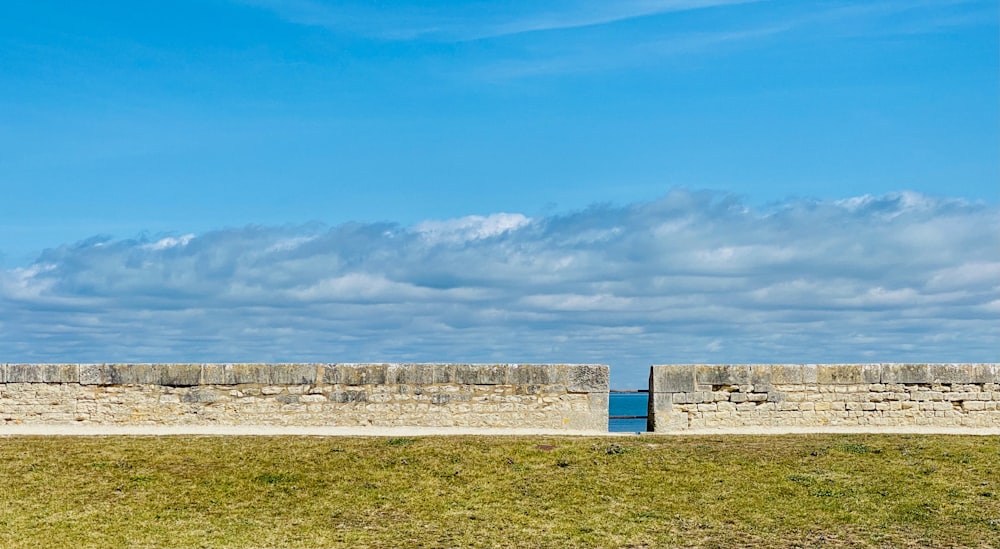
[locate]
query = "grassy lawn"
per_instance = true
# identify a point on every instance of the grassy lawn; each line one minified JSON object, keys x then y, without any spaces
{"x":781,"y":491}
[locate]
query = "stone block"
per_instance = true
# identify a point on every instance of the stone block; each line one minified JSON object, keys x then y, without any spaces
{"x":587,"y":378}
{"x":214,"y":374}
{"x":723,"y":374}
{"x":746,"y":407}
{"x":329,"y":374}
{"x":440,"y":398}
{"x":985,"y":373}
{"x":906,"y":373}
{"x":91,"y":374}
{"x":248,"y":374}
{"x":445,"y":374}
{"x":951,"y":373}
{"x":777,"y":374}
{"x":660,"y":403}
{"x":372,"y":374}
{"x":200,"y":396}
{"x":179,"y":375}
{"x":480,"y":374}
{"x":760,"y":379}
{"x":871,"y":373}
{"x":839,"y":374}
{"x":687,"y":398}
{"x":42,"y":373}
{"x":62,"y":373}
{"x":810,"y":374}
{"x":23,"y":373}
{"x":294,"y":374}
{"x":407,"y":374}
{"x":672,"y":379}
{"x":536,"y":374}
{"x":599,"y":404}
{"x":343,"y":397}
{"x":131,"y":374}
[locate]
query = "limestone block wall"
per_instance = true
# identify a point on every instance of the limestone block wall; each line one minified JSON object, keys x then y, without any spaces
{"x":694,"y":396}
{"x":542,"y":396}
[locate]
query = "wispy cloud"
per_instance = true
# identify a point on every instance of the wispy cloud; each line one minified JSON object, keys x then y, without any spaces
{"x":588,"y":57}
{"x":558,"y":38}
{"x":886,"y":18}
{"x":475,"y":22}
{"x":693,"y":276}
{"x":589,"y":14}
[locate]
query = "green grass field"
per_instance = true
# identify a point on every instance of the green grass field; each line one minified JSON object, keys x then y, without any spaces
{"x":780,"y":491}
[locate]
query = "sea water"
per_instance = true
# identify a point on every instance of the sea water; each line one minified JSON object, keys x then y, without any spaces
{"x":627,"y":404}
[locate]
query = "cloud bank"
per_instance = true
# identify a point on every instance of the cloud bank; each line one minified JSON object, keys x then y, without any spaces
{"x":694,"y":276}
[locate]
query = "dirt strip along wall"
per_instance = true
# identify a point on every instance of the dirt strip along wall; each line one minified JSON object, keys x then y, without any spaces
{"x":532,"y":396}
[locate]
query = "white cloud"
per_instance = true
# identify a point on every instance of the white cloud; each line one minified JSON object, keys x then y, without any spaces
{"x":165,"y":243}
{"x":692,"y":276}
{"x":473,"y":227}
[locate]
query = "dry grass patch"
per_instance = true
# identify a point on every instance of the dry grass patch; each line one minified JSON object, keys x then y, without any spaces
{"x":780,"y":491}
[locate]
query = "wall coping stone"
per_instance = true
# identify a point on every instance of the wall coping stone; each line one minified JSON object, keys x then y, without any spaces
{"x":683,"y":378}
{"x":576,"y":378}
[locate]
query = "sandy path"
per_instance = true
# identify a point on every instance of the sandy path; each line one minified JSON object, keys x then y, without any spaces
{"x":76,"y":429}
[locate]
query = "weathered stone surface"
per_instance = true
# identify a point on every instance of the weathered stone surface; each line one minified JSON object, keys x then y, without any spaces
{"x":248,"y":374}
{"x":349,"y":396}
{"x":410,"y":374}
{"x":62,"y":373}
{"x":775,"y":374}
{"x":24,"y":373}
{"x":444,"y":374}
{"x":91,"y":374}
{"x":949,"y":395}
{"x":787,"y":374}
{"x":536,"y":374}
{"x":293,"y":374}
{"x":480,"y":374}
{"x":985,"y":373}
{"x":215,"y":374}
{"x":180,"y":375}
{"x":723,"y":374}
{"x":587,"y":378}
{"x":200,"y":396}
{"x":41,"y":373}
{"x":871,"y":373}
{"x":951,"y":373}
{"x":810,"y":373}
{"x":599,"y":403}
{"x":307,"y":394}
{"x":906,"y":373}
{"x":131,"y":374}
{"x":672,"y":379}
{"x":839,"y":374}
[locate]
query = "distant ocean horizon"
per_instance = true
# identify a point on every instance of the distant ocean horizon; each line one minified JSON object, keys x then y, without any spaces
{"x":627,"y":404}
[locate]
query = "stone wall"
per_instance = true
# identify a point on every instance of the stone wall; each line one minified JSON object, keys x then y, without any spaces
{"x":533,"y":396}
{"x":816,"y":395}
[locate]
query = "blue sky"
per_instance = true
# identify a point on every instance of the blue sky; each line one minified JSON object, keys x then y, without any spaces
{"x":621,"y":182}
